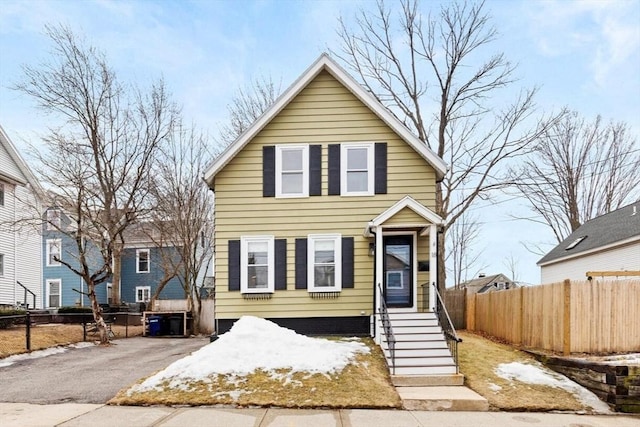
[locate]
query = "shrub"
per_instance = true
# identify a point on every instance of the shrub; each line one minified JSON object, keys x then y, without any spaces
{"x":73,"y":310}
{"x":6,"y":321}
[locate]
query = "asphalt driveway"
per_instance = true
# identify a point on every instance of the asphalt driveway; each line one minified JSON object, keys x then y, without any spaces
{"x":91,"y":374}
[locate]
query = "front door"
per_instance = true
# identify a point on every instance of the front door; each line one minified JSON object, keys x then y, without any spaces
{"x":398,"y":271}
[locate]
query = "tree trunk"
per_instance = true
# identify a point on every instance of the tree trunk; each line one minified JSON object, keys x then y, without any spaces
{"x":97,"y":313}
{"x":115,"y":279}
{"x":441,"y":278}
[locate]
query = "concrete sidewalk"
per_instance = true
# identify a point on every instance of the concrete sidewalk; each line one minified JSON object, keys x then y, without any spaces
{"x":76,"y":414}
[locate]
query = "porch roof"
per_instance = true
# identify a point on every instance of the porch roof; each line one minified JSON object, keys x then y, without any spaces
{"x":406,"y":202}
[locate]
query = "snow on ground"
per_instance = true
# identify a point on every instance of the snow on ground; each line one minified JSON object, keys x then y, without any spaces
{"x":538,"y":374}
{"x":252,"y":344}
{"x":620,"y":359}
{"x":8,"y":361}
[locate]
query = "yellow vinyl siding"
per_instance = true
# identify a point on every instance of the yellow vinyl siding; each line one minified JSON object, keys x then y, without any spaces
{"x":406,"y":216}
{"x":323,"y":113}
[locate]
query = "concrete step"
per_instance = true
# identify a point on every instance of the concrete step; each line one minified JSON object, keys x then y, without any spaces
{"x":427,"y":380}
{"x":434,"y":336}
{"x":424,"y":370}
{"x":417,"y":345}
{"x":442,"y":398}
{"x":418,"y":352}
{"x":411,"y":315}
{"x":415,"y":329}
{"x":424,"y":361}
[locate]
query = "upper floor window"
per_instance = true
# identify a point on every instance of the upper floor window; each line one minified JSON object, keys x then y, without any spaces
{"x":53,"y":219}
{"x":54,"y":252}
{"x":292,"y":171}
{"x":142,"y":261}
{"x":357,"y":174}
{"x":324,"y":262}
{"x":257,"y":266}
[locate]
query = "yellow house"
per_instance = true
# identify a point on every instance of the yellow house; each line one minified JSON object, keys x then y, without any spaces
{"x":324,"y":209}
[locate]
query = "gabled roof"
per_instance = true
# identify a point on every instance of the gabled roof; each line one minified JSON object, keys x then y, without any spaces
{"x":613,"y":229}
{"x":324,"y":62}
{"x":406,"y":202}
{"x":477,"y":285}
{"x":26,"y":176}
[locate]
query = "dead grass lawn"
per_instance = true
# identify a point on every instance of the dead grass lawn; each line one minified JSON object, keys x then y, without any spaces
{"x":12,"y":340}
{"x":480,"y":356}
{"x":363,"y":384}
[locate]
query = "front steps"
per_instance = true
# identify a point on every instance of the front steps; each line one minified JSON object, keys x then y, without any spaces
{"x":426,"y":376}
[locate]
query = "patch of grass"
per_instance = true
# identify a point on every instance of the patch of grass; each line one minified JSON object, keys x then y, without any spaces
{"x":365,"y":383}
{"x":480,"y":356}
{"x":13,"y":341}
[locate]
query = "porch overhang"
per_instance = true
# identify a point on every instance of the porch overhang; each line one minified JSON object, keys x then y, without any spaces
{"x":430,"y":217}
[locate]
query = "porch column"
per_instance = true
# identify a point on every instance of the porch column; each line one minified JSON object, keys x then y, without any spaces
{"x":433,"y":264}
{"x":379,"y":257}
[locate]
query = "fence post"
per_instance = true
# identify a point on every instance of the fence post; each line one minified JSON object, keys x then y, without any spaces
{"x":28,"y":330}
{"x":521,"y":331}
{"x":566,"y":321}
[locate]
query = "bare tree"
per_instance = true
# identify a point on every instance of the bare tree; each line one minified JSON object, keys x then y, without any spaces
{"x":409,"y":61}
{"x":579,"y":170}
{"x":184,"y":216}
{"x":246,"y":106}
{"x":97,"y":163}
{"x":462,"y":259}
{"x":511,"y":263}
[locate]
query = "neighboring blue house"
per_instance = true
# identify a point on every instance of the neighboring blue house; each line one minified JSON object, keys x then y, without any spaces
{"x":142,"y":268}
{"x":60,"y":284}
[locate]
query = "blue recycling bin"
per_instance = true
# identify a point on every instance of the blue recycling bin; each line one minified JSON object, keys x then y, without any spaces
{"x":154,"y":325}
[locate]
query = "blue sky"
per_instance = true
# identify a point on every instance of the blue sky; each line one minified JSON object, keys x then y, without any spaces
{"x":582,"y":54}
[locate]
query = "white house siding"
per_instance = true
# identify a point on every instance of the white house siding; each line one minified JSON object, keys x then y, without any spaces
{"x":7,"y":243}
{"x":28,"y":248}
{"x":616,"y":259}
{"x":7,"y":165}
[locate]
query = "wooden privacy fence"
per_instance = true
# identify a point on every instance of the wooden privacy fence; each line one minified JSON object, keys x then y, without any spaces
{"x":570,"y":317}
{"x":455,"y":301}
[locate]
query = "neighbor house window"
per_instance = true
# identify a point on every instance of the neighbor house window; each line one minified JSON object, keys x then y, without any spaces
{"x":356,"y":169}
{"x":1,"y":265}
{"x":292,"y":171}
{"x":143,"y":293}
{"x":257,"y":264}
{"x":109,"y":293}
{"x":53,"y":219}
{"x":54,"y":292}
{"x":324,"y":263}
{"x":142,"y":261}
{"x":1,"y":194}
{"x":54,"y":250}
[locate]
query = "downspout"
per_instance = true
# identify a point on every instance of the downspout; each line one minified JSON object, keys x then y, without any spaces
{"x":375,"y":288}
{"x":15,"y":247}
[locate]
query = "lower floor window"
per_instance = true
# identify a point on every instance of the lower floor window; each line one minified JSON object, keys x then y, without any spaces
{"x":143,"y":293}
{"x":54,"y":292}
{"x":257,"y":264}
{"x":324,"y":262}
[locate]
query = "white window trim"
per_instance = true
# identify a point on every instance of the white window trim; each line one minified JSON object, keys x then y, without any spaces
{"x":143,"y":289}
{"x":53,"y":263}
{"x":370,"y":146}
{"x":244,"y":279}
{"x":49,"y":281}
{"x":311,"y":241}
{"x":305,"y":170}
{"x":138,"y":252}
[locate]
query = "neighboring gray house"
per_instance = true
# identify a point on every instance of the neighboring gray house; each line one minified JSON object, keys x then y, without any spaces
{"x":484,"y":284}
{"x":609,"y":243}
{"x":20,"y":254}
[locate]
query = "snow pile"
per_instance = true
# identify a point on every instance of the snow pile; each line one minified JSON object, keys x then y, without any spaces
{"x":252,"y":344}
{"x":8,"y":361}
{"x":622,"y":359}
{"x":537,"y":374}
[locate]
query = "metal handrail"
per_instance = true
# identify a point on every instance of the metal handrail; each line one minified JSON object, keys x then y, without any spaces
{"x":447,"y":326}
{"x":388,"y":330}
{"x":25,"y":295}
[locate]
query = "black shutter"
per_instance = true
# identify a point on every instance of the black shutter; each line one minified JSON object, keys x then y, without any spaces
{"x":334,"y":169}
{"x":381,"y":168}
{"x":301,"y":263}
{"x":234,"y":265}
{"x":281,"y":264}
{"x":347,"y":262}
{"x":315,"y":170}
{"x":269,"y":171}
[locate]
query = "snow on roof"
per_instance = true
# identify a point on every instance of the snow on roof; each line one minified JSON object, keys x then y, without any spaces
{"x":252,"y":344}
